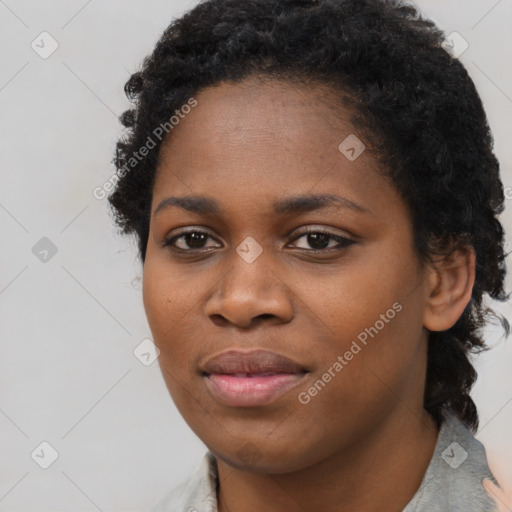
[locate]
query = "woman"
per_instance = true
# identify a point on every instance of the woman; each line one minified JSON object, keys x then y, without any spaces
{"x":315,"y":198}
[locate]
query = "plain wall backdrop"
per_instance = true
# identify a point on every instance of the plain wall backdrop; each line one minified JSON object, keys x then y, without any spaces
{"x":70,"y":287}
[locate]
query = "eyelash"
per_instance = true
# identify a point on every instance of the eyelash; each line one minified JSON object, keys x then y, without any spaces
{"x":343,"y":242}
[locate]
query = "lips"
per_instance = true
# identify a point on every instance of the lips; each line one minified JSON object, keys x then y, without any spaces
{"x":251,"y":362}
{"x":251,"y":378}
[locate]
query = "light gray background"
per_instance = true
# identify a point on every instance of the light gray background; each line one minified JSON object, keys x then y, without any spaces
{"x":69,"y":326}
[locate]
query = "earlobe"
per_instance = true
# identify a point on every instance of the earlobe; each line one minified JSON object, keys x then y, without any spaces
{"x":449,"y":289}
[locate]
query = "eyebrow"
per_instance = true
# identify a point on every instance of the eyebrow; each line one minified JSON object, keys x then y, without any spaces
{"x":287,"y":206}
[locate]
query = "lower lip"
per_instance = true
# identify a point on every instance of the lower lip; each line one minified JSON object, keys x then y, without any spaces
{"x":251,"y":391}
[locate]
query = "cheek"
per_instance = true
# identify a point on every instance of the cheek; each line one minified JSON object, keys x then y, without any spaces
{"x":168,"y":303}
{"x":372,"y":317}
{"x":354,"y":296}
{"x":167,"y":295}
{"x":349,"y":398}
{"x":376,"y":363}
{"x":156,"y":295}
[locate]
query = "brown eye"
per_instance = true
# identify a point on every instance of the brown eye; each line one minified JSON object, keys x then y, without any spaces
{"x":188,"y":241}
{"x":321,"y":240}
{"x":318,"y":240}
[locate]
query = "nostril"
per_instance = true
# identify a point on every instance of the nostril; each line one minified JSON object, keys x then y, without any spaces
{"x":221,"y":321}
{"x":218,"y":319}
{"x":263,"y":316}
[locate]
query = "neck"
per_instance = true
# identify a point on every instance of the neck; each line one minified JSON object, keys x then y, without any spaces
{"x":381,"y":472}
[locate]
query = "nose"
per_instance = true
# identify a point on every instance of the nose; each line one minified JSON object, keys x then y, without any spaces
{"x":248,"y":294}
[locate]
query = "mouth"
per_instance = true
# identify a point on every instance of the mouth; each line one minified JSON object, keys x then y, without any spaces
{"x":250,"y":390}
{"x":251,"y":378}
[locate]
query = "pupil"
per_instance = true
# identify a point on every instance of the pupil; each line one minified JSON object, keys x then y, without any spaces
{"x":318,"y":240}
{"x":194,"y":240}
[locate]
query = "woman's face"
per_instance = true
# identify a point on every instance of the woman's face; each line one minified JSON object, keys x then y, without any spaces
{"x":344,"y":304}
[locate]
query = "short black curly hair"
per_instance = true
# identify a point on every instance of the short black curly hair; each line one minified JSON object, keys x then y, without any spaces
{"x":411,"y":99}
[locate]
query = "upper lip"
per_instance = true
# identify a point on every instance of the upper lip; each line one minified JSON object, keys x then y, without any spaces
{"x":254,"y":361}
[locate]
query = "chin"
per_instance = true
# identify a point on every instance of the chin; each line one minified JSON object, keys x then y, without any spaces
{"x":267,"y":459}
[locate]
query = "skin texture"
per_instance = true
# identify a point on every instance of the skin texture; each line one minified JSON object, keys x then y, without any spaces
{"x":364,"y":441}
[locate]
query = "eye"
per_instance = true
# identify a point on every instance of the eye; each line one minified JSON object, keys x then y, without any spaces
{"x":188,"y":241}
{"x":320,"y":240}
{"x":317,"y":239}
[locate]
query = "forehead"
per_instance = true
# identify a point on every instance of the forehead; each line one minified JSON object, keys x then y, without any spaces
{"x":262,"y":106}
{"x":251,"y":141}
{"x":261,"y":118}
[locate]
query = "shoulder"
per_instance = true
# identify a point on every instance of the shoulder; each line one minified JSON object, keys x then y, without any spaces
{"x":198,"y":492}
{"x":454,"y":477}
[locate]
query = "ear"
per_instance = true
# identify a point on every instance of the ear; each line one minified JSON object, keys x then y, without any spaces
{"x":450,"y":283}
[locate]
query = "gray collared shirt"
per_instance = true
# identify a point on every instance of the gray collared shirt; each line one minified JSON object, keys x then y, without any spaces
{"x":452,"y":482}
